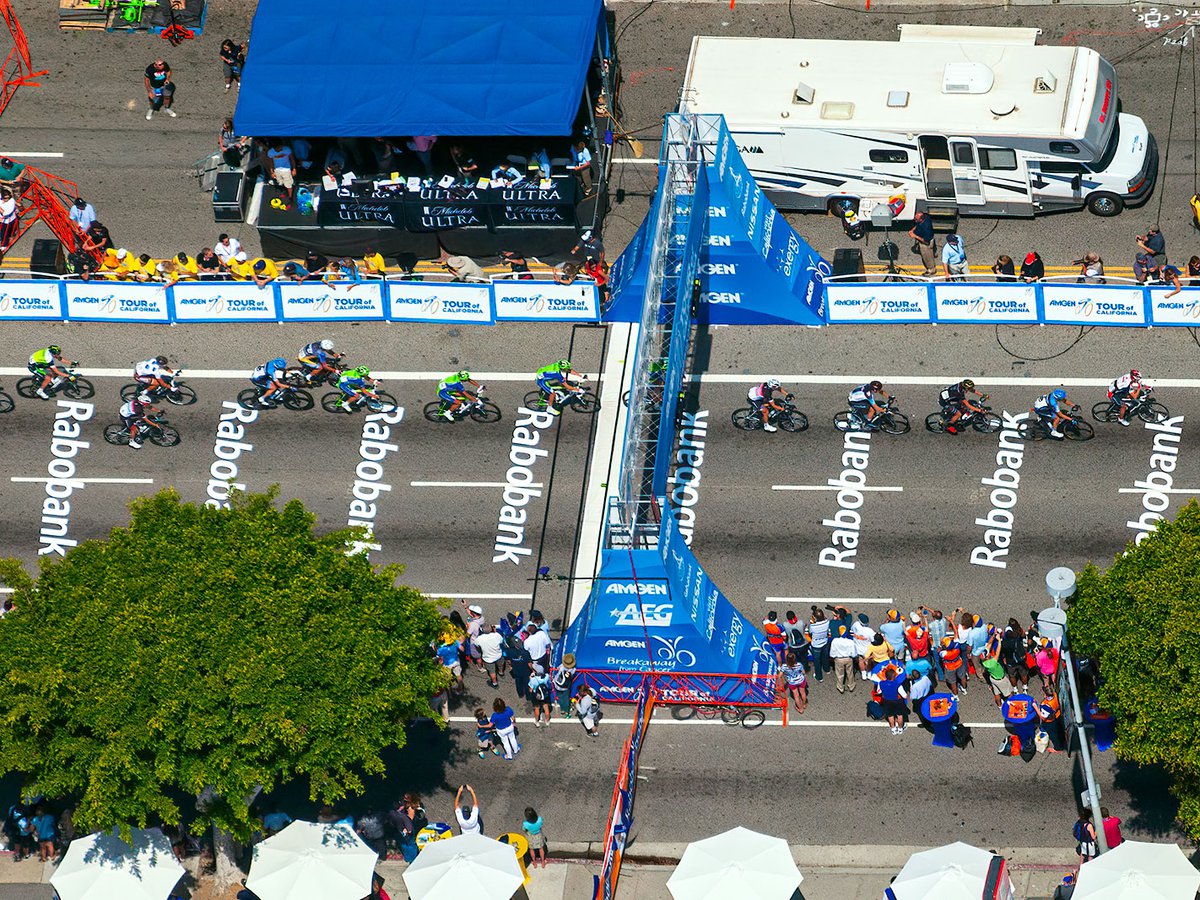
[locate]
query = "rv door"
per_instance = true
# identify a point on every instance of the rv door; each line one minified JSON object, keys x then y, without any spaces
{"x":964,"y":166}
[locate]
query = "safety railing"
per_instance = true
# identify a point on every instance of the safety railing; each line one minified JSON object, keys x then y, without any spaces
{"x":684,"y":688}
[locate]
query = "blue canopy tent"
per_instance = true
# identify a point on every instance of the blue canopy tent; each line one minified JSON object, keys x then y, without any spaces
{"x":412,"y":67}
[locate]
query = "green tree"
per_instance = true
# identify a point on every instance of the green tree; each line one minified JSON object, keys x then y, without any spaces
{"x":1141,"y":619}
{"x":205,"y":648}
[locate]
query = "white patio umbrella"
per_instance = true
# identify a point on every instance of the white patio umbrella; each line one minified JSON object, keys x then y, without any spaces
{"x":954,"y":872}
{"x":738,"y":863}
{"x":468,"y":865}
{"x":1137,"y":870}
{"x":101,"y":866}
{"x":310,"y":861}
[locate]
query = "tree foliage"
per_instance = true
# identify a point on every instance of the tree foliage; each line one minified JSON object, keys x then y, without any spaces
{"x":1141,"y":619}
{"x":208,"y":648}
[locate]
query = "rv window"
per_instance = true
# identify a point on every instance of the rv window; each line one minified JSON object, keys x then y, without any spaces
{"x":888,"y":156}
{"x":964,"y":154}
{"x":1063,"y":147}
{"x":998,"y":159}
{"x":1062,"y":168}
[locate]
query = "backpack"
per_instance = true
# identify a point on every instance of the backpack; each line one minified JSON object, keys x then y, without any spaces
{"x":875,"y":710}
{"x":541,"y":693}
{"x":961,"y":735}
{"x":1079,"y":831}
{"x":420,"y":820}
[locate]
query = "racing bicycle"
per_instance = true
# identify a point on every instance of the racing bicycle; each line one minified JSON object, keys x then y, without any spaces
{"x":72,"y":386}
{"x":747,"y":716}
{"x":576,"y":398}
{"x":984,"y":420}
{"x":6,"y":401}
{"x":156,"y":431}
{"x":290,"y":397}
{"x":381,"y":402}
{"x":481,"y":410}
{"x":890,"y":421}
{"x":179,"y":394}
{"x":1074,"y":429}
{"x":789,"y":418}
{"x":301,"y":377}
{"x":1144,"y":407}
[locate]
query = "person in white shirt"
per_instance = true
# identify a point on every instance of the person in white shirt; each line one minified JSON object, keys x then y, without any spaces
{"x":82,"y":215}
{"x":490,"y":643}
{"x":8,"y":220}
{"x":581,"y":165}
{"x":474,"y":626}
{"x":863,"y":634}
{"x":227,"y":248}
{"x":538,"y":644}
{"x":467,"y":816}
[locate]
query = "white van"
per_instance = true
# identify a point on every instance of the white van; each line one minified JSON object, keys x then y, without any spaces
{"x":961,"y":120}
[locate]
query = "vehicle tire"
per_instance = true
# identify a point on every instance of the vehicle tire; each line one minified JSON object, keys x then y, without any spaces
{"x":6,"y":402}
{"x":330,"y":402}
{"x":752,"y":718}
{"x":26,"y":387}
{"x":683,"y":713}
{"x":745,"y":419}
{"x":1103,"y":412}
{"x":247,"y":398}
{"x":164,"y":436}
{"x":794,"y":421}
{"x":79,"y":389}
{"x":433,"y":412}
{"x":587,"y":402}
{"x":534,"y":401}
{"x":987,"y":423}
{"x":842,"y":421}
{"x":896,"y":423}
{"x":487,"y":413}
{"x":298,"y":400}
{"x":1078,"y":430}
{"x":935,"y":422}
{"x":1032,"y":431}
{"x":183,"y":395}
{"x":730,"y":715}
{"x":1104,"y":204}
{"x":116,"y":434}
{"x":1151,"y":412}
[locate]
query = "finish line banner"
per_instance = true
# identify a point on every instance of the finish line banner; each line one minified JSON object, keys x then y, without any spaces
{"x":437,"y":302}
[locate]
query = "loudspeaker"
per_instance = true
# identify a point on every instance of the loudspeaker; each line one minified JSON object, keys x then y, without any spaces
{"x":47,"y":259}
{"x":848,"y":261}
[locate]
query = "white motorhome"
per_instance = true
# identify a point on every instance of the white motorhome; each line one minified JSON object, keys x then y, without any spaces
{"x":958,"y":120}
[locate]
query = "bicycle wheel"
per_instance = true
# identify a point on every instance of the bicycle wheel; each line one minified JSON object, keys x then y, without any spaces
{"x":332,"y":402}
{"x":793,"y":421}
{"x":116,"y":434}
{"x":586,"y":402}
{"x":6,"y":402}
{"x":79,"y":389}
{"x":987,"y":423}
{"x":433,"y":412}
{"x":625,"y":398}
{"x":752,"y":718}
{"x":387,"y":402}
{"x":1032,"y":431}
{"x":1153,"y":411}
{"x":129,"y":391}
{"x":895,"y":423}
{"x":1104,"y":412}
{"x":746,"y":419}
{"x":26,"y":387}
{"x":935,"y":423}
{"x":248,"y":398}
{"x":683,"y":713}
{"x":298,"y":400}
{"x":183,"y":395}
{"x":730,"y":715}
{"x":489,"y":412}
{"x":534,"y":401}
{"x":164,"y":436}
{"x":708,"y":712}
{"x":844,"y":422}
{"x":1078,"y":430}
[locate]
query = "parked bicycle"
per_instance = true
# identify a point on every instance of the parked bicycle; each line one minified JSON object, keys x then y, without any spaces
{"x":1145,"y":407}
{"x":1073,"y":429}
{"x":984,"y":420}
{"x":73,"y":387}
{"x":890,"y":421}
{"x":155,"y":430}
{"x":578,"y":399}
{"x":290,"y":397}
{"x":747,"y":716}
{"x":179,"y":393}
{"x":789,"y":418}
{"x":482,"y":410}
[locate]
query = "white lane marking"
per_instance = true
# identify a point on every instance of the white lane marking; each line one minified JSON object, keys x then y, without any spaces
{"x":880,"y":600}
{"x":890,"y":489}
{"x":793,"y":720}
{"x":633,"y":161}
{"x":467,"y":484}
{"x":204,"y":374}
{"x":18,"y":154}
{"x":604,"y":468}
{"x":983,"y":381}
{"x":1188,"y":491}
{"x":19,"y":479}
{"x":457,"y":595}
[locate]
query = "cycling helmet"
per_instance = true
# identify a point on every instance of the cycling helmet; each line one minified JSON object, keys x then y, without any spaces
{"x":876,"y":385}
{"x":326,"y":344}
{"x":279,"y":362}
{"x":773,"y":383}
{"x":968,"y":384}
{"x":1059,"y":394}
{"x":161,"y":360}
{"x":464,"y":375}
{"x":55,"y":349}
{"x":364,"y":372}
{"x":1134,"y":373}
{"x":564,"y":365}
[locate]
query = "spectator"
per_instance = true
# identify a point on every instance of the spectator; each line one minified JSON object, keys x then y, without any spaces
{"x":44,"y":830}
{"x":565,"y":273}
{"x":145,"y":268}
{"x":474,"y":628}
{"x":469,"y":820}
{"x":538,"y":645}
{"x":335,"y":163}
{"x":233,"y":146}
{"x":227,"y":248}
{"x":863,"y":635}
{"x":892,"y":630}
{"x":1003,"y":269}
{"x":369,"y":827}
{"x":12,"y":173}
{"x":1066,"y":890}
{"x":160,"y":90}
{"x":953,"y":666}
{"x":843,"y":652}
{"x":447,"y":652}
{"x":1012,"y":654}
{"x":96,"y":237}
{"x":316,"y":264}
{"x":1112,"y":829}
{"x":281,"y":167}
{"x":113,"y":263}
{"x":916,"y":638}
{"x":467,"y":168}
{"x":490,"y":645}
{"x":539,"y":694}
{"x":892,"y":696}
{"x":384,"y":151}
{"x":797,"y":640}
{"x":422,"y":147}
{"x":775,"y":636}
{"x":977,"y":644}
{"x":1145,"y":268}
{"x":1194,"y":272}
{"x":536,"y":617}
{"x":880,"y":651}
{"x":1091,"y":269}
{"x":1168,"y":274}
{"x":25,"y":836}
{"x":564,"y":681}
{"x":239,"y":267}
{"x":919,"y":687}
{"x":9,"y":220}
{"x":82,"y":215}
{"x":518,"y":264}
{"x":187,"y":265}
{"x":1154,"y":244}
{"x":275,"y":821}
{"x":264,"y":271}
{"x":520,"y":664}
{"x":485,"y":734}
{"x":818,"y":640}
{"x":1033,"y":269}
{"x":587,"y":710}
{"x":372,"y":263}
{"x":925,"y":244}
{"x":595,"y":271}
{"x":504,"y":721}
{"x":1047,"y":662}
{"x":1085,"y":836}
{"x":233,"y":56}
{"x":532,"y":826}
{"x":406,"y":820}
{"x":954,"y":259}
{"x":936,"y":623}
{"x":302,"y":150}
{"x":791,"y":677}
{"x":993,"y":672}
{"x":208,"y":266}
{"x":464,"y":268}
{"x":1049,"y":712}
{"x":294,"y":272}
{"x":505,"y":174}
{"x":581,"y":165}
{"x":589,"y":245}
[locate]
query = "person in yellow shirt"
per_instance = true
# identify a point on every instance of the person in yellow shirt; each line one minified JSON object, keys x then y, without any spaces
{"x":373,"y":263}
{"x":144,"y":268}
{"x":113,"y":265}
{"x":239,"y":268}
{"x":187,"y":267}
{"x":263,"y":271}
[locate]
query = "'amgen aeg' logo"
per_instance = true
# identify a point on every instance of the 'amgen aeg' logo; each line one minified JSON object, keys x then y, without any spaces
{"x":98,"y":303}
{"x":1086,"y":308}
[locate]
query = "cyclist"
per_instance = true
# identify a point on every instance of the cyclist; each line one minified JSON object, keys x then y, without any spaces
{"x":1051,"y":409}
{"x":318,"y":359}
{"x":153,"y":375}
{"x":133,"y":413}
{"x":269,"y":379}
{"x":864,"y":403}
{"x":555,"y":383}
{"x":453,"y":390}
{"x":49,"y":365}
{"x":356,"y":386}
{"x":955,"y":402}
{"x":1125,"y":390}
{"x":762,"y":401}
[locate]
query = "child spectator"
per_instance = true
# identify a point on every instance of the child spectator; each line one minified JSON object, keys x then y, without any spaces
{"x":532,"y":826}
{"x":485,"y":734}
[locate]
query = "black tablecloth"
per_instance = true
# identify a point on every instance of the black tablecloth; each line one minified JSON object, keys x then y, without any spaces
{"x":440,"y":209}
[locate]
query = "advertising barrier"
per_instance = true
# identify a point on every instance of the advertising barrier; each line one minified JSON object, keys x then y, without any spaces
{"x":854,"y":303}
{"x":967,"y":302}
{"x":1090,"y":304}
{"x":100,"y":300}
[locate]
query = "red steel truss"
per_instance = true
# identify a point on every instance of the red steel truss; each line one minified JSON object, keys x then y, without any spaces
{"x":42,"y":197}
{"x":18,"y":70}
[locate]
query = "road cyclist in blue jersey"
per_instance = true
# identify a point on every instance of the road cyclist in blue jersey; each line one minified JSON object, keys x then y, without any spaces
{"x":270,"y":378}
{"x":555,"y":383}
{"x":1053,"y":409}
{"x":358,"y":388}
{"x":319,"y":362}
{"x":867,"y":401}
{"x":455,"y":390}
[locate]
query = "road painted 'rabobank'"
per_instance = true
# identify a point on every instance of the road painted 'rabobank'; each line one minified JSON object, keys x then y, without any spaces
{"x":368,"y":481}
{"x":62,"y":483}
{"x":998,"y":524}
{"x":228,"y":448}
{"x":520,"y":486}
{"x":1157,"y":485}
{"x":847,"y":521}
{"x":689,"y":457}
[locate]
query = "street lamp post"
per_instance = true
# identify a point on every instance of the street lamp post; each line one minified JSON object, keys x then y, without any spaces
{"x":1052,"y":622}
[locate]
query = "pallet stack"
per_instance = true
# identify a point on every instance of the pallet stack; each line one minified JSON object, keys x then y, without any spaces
{"x":83,"y":14}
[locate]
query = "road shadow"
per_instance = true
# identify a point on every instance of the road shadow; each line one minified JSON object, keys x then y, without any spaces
{"x":1152,"y":806}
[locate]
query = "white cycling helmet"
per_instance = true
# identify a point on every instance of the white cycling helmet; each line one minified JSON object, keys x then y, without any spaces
{"x":327,"y":344}
{"x":773,"y":383}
